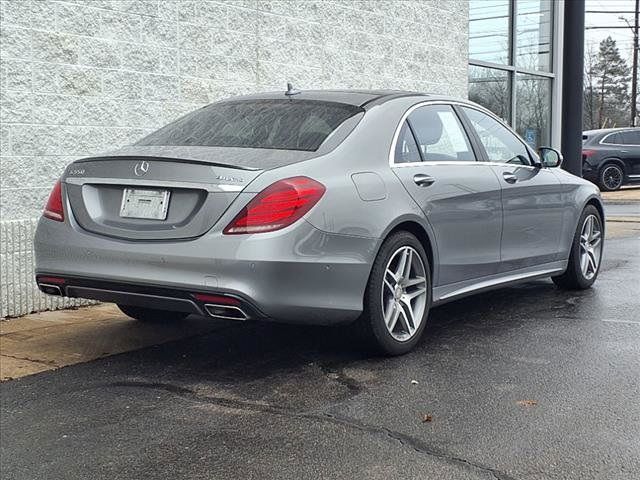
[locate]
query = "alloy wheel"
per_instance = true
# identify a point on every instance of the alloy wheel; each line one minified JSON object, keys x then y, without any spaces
{"x":404,"y":293}
{"x":590,"y":246}
{"x":612,"y":177}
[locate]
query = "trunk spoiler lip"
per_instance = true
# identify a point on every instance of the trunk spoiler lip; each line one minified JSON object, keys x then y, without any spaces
{"x":165,"y":159}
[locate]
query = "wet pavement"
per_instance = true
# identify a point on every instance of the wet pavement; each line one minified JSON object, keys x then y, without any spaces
{"x":527,"y":382}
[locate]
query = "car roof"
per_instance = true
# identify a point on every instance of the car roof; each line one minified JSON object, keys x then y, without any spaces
{"x":602,"y":131}
{"x":359,"y":98}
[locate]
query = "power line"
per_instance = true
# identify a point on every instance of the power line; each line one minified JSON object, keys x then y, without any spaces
{"x":605,"y":27}
{"x":610,"y":11}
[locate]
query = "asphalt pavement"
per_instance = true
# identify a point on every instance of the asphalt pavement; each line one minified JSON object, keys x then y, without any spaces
{"x":527,"y":382}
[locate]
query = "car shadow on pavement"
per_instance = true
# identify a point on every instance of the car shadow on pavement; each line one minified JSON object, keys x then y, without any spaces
{"x":251,"y":352}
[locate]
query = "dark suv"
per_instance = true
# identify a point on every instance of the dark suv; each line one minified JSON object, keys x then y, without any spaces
{"x":611,"y":157}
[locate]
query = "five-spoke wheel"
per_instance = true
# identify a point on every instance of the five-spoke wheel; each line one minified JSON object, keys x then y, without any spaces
{"x":586,"y":252}
{"x":404,"y":293}
{"x":398,"y":295}
{"x":590,"y":246}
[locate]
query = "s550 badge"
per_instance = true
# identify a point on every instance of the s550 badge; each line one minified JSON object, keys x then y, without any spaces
{"x":76,"y":171}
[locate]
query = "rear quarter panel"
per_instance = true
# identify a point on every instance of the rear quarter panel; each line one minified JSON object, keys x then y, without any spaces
{"x":359,"y":164}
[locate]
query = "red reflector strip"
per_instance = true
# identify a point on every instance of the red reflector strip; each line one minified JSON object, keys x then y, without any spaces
{"x":217,"y":299}
{"x":52,"y":280}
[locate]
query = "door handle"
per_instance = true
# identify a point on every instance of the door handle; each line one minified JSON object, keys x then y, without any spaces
{"x":423,"y":180}
{"x":509,"y":177}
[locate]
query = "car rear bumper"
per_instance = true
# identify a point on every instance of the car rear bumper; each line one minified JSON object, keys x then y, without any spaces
{"x":297,"y":275}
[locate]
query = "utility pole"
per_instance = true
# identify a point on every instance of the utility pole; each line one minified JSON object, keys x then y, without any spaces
{"x":572,"y":68}
{"x":634,"y":80}
{"x":634,"y":70}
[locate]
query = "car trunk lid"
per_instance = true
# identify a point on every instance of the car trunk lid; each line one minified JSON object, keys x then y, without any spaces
{"x":140,"y":196}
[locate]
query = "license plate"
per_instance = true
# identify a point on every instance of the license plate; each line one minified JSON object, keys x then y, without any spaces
{"x":139,"y":203}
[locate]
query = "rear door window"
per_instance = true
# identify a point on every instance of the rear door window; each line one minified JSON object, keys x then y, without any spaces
{"x":612,"y":139}
{"x":630,"y":137}
{"x":274,"y":124}
{"x":439,"y":134}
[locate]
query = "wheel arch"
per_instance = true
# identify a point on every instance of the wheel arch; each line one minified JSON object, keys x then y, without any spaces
{"x":596,"y":202}
{"x":424,"y":235}
{"x":608,"y":160}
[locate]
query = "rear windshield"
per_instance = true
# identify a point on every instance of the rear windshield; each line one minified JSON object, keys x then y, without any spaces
{"x":277,"y":124}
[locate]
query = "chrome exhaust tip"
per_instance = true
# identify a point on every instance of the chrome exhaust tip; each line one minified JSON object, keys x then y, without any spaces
{"x":226,"y":312}
{"x":50,"y":289}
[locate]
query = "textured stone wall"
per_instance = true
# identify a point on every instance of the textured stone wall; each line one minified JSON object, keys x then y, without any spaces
{"x":79,"y":77}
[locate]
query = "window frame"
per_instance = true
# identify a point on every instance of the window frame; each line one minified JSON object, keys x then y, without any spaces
{"x":512,"y":68}
{"x":475,"y":148}
{"x":620,"y":132}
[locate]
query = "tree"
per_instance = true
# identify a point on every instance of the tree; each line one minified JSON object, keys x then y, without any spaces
{"x":606,"y":92}
{"x":589,"y":110}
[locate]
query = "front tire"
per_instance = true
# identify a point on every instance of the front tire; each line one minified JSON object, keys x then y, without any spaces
{"x":398,"y":296}
{"x":150,"y":315}
{"x":586,"y":252}
{"x":611,"y":177}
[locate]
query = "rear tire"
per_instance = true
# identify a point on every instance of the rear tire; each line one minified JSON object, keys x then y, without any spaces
{"x":586,"y":251}
{"x":398,"y":296}
{"x":611,"y":177}
{"x":151,"y":315}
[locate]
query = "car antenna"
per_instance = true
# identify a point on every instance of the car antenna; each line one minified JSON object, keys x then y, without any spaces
{"x":291,"y":91}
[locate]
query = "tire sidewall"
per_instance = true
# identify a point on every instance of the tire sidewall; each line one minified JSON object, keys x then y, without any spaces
{"x":603,"y":186}
{"x":373,"y":295}
{"x":574,"y":262}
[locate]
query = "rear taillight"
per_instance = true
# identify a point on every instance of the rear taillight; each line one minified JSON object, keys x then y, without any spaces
{"x":53,"y":209}
{"x":587,"y":153}
{"x":277,"y":206}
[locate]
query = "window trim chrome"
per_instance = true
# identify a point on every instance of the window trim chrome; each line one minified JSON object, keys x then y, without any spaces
{"x":602,"y":141}
{"x":450,"y":103}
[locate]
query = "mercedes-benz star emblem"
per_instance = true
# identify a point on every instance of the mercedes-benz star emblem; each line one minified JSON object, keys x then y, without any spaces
{"x":141,"y":168}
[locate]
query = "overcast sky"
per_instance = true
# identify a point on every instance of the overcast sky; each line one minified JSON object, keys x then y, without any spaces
{"x":622,"y":36}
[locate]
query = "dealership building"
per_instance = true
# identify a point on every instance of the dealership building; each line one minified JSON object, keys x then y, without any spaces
{"x":83,"y":77}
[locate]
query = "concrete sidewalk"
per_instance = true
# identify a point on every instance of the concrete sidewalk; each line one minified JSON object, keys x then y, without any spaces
{"x":50,"y":340}
{"x":630,"y":194}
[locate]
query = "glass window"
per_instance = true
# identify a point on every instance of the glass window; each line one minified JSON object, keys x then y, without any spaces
{"x":439,"y":134}
{"x":631,"y":137}
{"x":533,"y":112}
{"x":406,"y":148}
{"x":278,"y":124}
{"x":533,"y":34}
{"x":489,"y":87}
{"x":613,"y":139}
{"x":501,"y":145}
{"x":489,"y":30}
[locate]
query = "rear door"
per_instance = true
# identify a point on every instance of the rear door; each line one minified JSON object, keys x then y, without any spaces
{"x":460,"y":197}
{"x":532,"y":197}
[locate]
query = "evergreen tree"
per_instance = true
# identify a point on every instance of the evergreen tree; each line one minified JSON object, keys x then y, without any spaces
{"x":607,"y":87}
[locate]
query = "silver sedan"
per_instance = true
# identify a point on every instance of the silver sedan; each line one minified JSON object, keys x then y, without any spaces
{"x":318,"y":207}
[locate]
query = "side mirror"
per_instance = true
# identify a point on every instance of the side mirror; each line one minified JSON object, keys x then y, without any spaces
{"x":550,"y":157}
